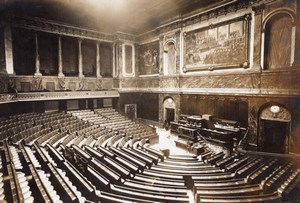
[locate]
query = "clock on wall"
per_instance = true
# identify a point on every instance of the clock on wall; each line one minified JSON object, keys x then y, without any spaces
{"x":274,"y":109}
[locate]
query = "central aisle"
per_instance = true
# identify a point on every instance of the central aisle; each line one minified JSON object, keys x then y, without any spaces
{"x":167,"y":141}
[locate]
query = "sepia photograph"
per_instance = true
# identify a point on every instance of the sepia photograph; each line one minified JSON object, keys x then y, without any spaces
{"x":150,"y":101}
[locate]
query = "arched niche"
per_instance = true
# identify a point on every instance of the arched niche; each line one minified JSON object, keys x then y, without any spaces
{"x":278,"y":40}
{"x":274,"y":128}
{"x":169,"y":110}
{"x":170,"y":57}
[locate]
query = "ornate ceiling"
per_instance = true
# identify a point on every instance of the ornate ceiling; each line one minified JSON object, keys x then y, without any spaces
{"x":130,"y":16}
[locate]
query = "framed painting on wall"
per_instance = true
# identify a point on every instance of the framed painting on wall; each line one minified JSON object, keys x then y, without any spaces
{"x":149,"y":58}
{"x":219,"y":46}
{"x":131,"y":110}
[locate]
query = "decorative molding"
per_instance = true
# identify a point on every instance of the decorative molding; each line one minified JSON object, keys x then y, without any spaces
{"x":44,"y":96}
{"x":48,"y":26}
{"x":258,"y":10}
{"x":124,"y":36}
{"x":200,"y":17}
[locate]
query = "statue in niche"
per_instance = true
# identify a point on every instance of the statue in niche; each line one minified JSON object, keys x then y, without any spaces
{"x":99,"y":84}
{"x":62,"y":83}
{"x":37,"y":84}
{"x":82,"y":84}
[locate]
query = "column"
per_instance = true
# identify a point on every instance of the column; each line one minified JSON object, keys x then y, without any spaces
{"x":98,"y":73}
{"x":258,"y":37}
{"x":37,"y":57}
{"x":80,"y":69}
{"x":8,"y":50}
{"x":60,"y":66}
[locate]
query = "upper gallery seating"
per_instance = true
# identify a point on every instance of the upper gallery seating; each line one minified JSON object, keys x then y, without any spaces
{"x":101,"y":156}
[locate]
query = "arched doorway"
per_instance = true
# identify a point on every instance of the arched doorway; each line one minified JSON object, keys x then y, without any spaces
{"x":274,"y":129}
{"x":169,"y":111}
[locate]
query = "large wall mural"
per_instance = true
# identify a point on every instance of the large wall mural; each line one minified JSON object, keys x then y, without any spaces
{"x":224,"y":45}
{"x":149,"y":58}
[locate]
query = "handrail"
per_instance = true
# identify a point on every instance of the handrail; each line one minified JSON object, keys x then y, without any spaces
{"x":244,"y":138}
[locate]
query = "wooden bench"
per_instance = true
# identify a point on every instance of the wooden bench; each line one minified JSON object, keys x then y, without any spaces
{"x":155,"y":152}
{"x":149,"y":180}
{"x":155,"y":158}
{"x":56,"y":156}
{"x":140,"y":164}
{"x":106,"y":151}
{"x":110,"y":174}
{"x":187,"y":171}
{"x":261,"y":198}
{"x":214,"y":158}
{"x":128,"y":164}
{"x":277,"y":177}
{"x":112,"y":198}
{"x":292,"y":181}
{"x":220,"y":183}
{"x":230,"y":191}
{"x":248,"y":168}
{"x":138,"y":156}
{"x":40,"y":155}
{"x":66,"y":193}
{"x":260,"y":173}
{"x":222,"y":163}
{"x":41,"y":191}
{"x":95,"y":153}
{"x":214,"y":177}
{"x":85,"y":187}
{"x":97,"y":179}
{"x":143,"y":194}
{"x":237,"y":164}
{"x":162,"y":188}
{"x":81,"y":152}
{"x":124,"y":172}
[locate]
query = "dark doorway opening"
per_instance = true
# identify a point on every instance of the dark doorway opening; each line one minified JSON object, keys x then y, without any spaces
{"x":170,"y":113}
{"x":275,"y":136}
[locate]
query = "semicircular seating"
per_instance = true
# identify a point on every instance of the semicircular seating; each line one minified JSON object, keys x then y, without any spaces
{"x":101,"y":156}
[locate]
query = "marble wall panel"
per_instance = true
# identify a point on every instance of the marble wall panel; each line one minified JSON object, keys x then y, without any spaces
{"x":129,"y":83}
{"x":276,"y":81}
{"x":170,"y":82}
{"x":148,"y":83}
{"x":226,"y":81}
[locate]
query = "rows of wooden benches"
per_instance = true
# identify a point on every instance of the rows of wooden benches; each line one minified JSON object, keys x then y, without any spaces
{"x":83,"y":164}
{"x":124,"y":168}
{"x":248,"y":188}
{"x":83,"y":168}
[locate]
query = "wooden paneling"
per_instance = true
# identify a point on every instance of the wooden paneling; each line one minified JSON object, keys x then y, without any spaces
{"x":220,"y":107}
{"x":147,"y":104}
